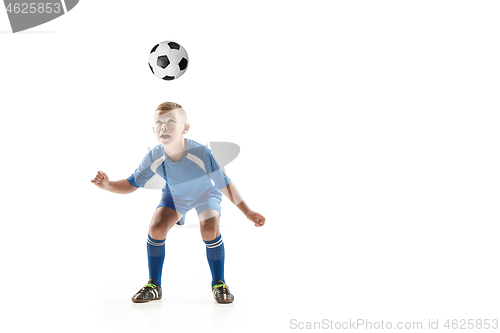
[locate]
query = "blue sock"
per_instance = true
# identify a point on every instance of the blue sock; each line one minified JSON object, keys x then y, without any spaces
{"x":156,"y":256}
{"x":215,"y":256}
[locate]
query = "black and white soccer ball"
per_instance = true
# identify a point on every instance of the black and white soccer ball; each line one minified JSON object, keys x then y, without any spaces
{"x":168,"y":60}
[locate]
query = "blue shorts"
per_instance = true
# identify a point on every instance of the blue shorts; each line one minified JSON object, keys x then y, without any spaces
{"x":209,"y":200}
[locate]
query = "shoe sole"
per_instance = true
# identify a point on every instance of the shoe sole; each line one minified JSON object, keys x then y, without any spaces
{"x":227,"y":301}
{"x":144,"y":301}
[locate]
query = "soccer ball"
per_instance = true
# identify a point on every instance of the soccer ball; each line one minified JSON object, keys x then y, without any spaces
{"x":168,"y":60}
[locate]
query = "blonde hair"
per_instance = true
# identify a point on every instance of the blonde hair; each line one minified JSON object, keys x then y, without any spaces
{"x":169,"y":106}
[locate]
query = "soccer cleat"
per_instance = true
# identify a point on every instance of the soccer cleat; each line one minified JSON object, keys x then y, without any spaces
{"x":221,"y":293}
{"x":150,"y":292}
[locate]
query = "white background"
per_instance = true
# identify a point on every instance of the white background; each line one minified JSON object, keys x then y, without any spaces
{"x":369,"y":139}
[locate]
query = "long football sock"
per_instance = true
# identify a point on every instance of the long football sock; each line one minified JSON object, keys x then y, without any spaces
{"x":215,"y":257}
{"x":156,"y":256}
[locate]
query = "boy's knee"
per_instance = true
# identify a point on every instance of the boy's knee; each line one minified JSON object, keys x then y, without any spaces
{"x":209,"y":228}
{"x":157,"y":226}
{"x":163,"y":219}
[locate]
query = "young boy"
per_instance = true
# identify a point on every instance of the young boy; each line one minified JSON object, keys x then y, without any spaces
{"x":193,"y":180}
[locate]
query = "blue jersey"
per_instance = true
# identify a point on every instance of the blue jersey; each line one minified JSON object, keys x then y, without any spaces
{"x":190,"y":178}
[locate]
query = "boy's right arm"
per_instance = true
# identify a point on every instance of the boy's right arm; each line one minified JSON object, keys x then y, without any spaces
{"x":122,"y":186}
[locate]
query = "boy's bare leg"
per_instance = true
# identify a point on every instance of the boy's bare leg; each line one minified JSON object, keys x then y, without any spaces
{"x":209,"y":224}
{"x":163,"y":220}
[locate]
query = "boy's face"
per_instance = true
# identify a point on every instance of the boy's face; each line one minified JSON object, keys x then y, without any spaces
{"x":169,"y":127}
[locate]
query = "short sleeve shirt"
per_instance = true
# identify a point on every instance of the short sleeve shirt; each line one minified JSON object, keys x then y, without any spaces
{"x":195,"y":175}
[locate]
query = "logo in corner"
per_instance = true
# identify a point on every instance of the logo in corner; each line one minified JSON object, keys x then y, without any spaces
{"x":26,"y":14}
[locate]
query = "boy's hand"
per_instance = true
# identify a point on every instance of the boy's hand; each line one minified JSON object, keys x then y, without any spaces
{"x":101,"y":180}
{"x":256,"y":218}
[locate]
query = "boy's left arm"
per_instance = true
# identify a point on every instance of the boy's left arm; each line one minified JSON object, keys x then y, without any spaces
{"x":232,"y":193}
